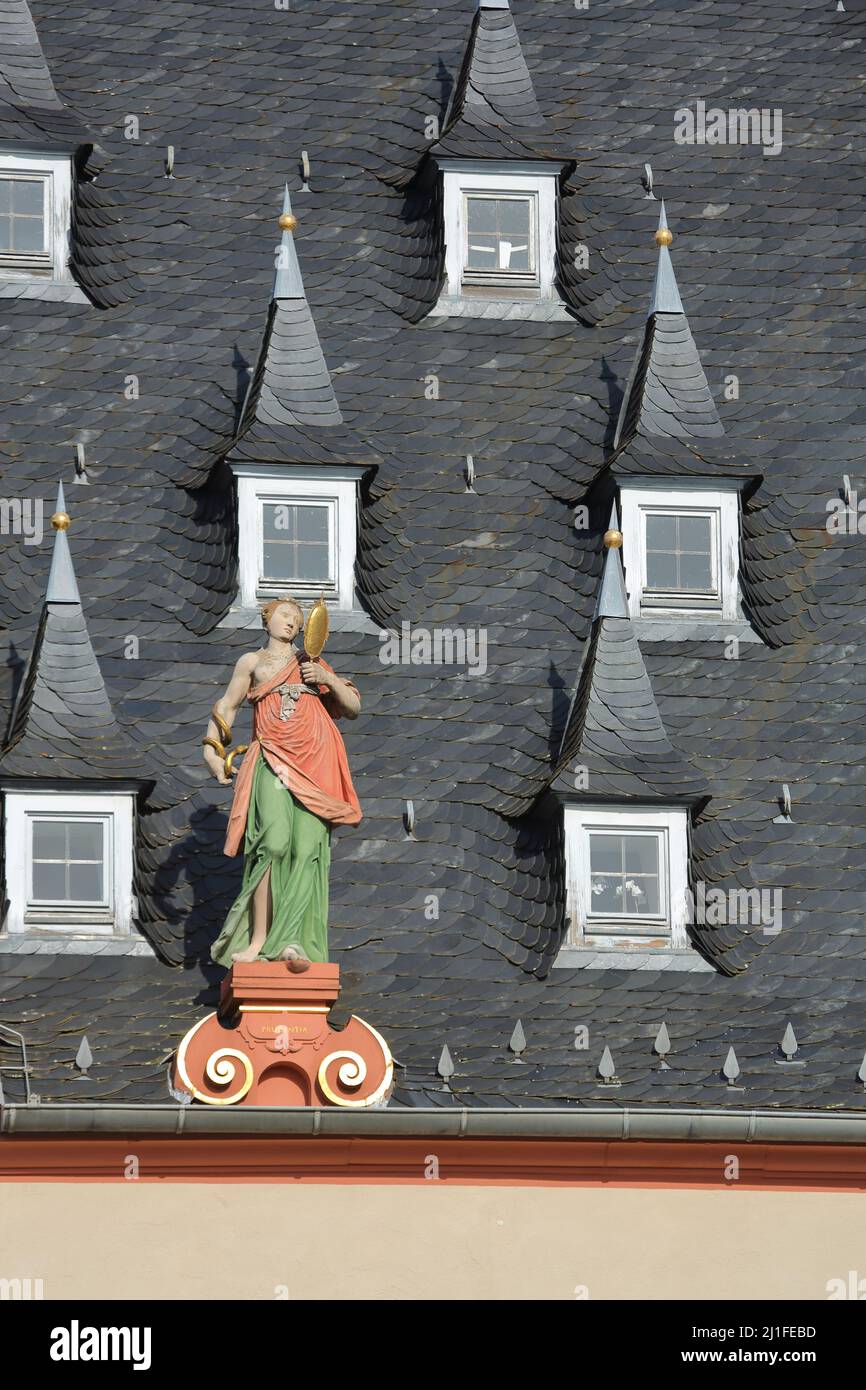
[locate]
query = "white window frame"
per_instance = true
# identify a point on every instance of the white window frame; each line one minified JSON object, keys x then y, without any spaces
{"x":586,"y":928}
{"x":55,"y":172}
{"x":114,"y":916}
{"x":525,"y":179}
{"x":722,"y":504}
{"x":287,"y":485}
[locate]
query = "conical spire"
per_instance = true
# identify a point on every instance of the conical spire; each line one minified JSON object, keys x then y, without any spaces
{"x":614,"y":728}
{"x":62,"y":584}
{"x":64,"y":725}
{"x":287,"y":280}
{"x":30,"y":108}
{"x":666,"y":295}
{"x":291,"y":413}
{"x":493,"y":109}
{"x":667,"y":394}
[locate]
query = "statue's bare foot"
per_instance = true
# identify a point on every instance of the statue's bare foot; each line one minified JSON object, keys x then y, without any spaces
{"x":245,"y":957}
{"x":296,"y":959}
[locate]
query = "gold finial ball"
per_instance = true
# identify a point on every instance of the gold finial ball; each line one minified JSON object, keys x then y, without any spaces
{"x":613,"y":539}
{"x":60,"y":521}
{"x":664,"y":236}
{"x":288,"y":221}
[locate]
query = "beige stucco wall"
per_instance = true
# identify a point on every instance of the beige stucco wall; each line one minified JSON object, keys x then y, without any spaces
{"x":243,"y":1241}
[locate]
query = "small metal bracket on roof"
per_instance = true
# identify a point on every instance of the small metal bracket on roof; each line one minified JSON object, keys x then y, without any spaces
{"x":517,"y":1042}
{"x":305,"y":171}
{"x":647,"y":180}
{"x":607,"y":1069}
{"x":169,"y":162}
{"x":409,"y":820}
{"x":80,"y":465}
{"x":840,"y":8}
{"x":662,"y":1047}
{"x":790,"y":1047}
{"x":469,"y":473}
{"x":861,"y":1075}
{"x":785,"y":803}
{"x":846,"y":489}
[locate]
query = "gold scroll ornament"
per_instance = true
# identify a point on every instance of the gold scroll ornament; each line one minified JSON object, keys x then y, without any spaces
{"x":316,"y":631}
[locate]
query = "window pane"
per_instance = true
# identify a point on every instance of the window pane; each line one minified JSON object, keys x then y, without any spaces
{"x":85,"y":883}
{"x":85,"y":840}
{"x":5,"y":195}
{"x":605,"y":892}
{"x":514,"y":217}
{"x":605,"y":853}
{"x":312,"y":523}
{"x":277,"y":521}
{"x":661,"y":570}
{"x":641,"y":854}
{"x":5,"y":233}
{"x":278,"y":560}
{"x":49,"y":882}
{"x":695,"y":533}
{"x":695,"y":573}
{"x":661,"y":532}
{"x":312,"y":562}
{"x":483,"y":252}
{"x":28,"y":197}
{"x":27,"y":234}
{"x":49,"y":839}
{"x":481,"y":214}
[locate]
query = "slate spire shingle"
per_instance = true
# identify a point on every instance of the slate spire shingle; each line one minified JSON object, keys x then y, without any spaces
{"x":291,"y":413}
{"x":30,"y":107}
{"x":667,"y":395}
{"x":614,"y":728}
{"x":493,"y":110}
{"x":64,"y":725}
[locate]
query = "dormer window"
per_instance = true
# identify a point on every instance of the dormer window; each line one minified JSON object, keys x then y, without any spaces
{"x":500,"y":230}
{"x":297,"y":533}
{"x":35,"y":212}
{"x":627,"y":870}
{"x":681,"y":549}
{"x":69,"y":862}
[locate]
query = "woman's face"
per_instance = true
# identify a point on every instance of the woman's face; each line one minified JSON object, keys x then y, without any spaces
{"x":285,"y":622}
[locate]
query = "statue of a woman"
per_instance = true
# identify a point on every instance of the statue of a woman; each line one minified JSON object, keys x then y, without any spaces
{"x":293,"y":785}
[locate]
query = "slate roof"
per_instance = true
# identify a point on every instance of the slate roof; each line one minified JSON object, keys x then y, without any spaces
{"x":291,"y":413}
{"x":448,"y":934}
{"x":63,"y":725}
{"x":614,"y":732}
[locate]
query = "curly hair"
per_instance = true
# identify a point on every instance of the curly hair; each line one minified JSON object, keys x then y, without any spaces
{"x":269,"y":609}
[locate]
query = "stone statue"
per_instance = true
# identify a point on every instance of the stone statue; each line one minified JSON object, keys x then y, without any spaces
{"x":293,"y":785}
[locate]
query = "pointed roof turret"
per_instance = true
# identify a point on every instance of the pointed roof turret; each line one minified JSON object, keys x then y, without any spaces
{"x":493,"y":111}
{"x":614,"y":728}
{"x":29,"y":105}
{"x":667,"y":394}
{"x":291,"y":413}
{"x":64,"y":725}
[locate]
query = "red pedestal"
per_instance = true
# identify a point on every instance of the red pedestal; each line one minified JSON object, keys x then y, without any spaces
{"x":270,"y":1043}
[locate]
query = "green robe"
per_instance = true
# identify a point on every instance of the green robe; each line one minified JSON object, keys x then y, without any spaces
{"x":284,"y":836}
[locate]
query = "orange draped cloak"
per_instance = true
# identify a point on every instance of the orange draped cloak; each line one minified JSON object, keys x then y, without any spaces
{"x":306,"y":751}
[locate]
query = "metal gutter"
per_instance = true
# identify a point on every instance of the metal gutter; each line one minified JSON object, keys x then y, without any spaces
{"x":608,"y":1122}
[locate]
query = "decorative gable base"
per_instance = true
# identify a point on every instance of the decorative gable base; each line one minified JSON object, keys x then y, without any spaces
{"x":271,"y":1044}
